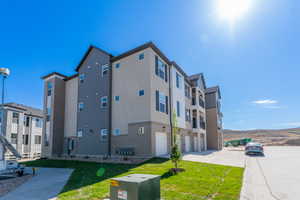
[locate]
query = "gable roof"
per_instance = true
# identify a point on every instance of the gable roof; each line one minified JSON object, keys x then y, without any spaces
{"x":213,"y":90}
{"x":26,"y":109}
{"x":91,"y":47}
{"x":198,"y":76}
{"x":53,"y":73}
{"x":140,"y":48}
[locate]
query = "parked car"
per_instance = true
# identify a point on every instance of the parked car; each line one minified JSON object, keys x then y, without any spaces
{"x":254,"y":148}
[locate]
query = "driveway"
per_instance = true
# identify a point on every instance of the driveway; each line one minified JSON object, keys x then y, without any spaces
{"x":47,"y":183}
{"x":228,"y":156}
{"x":272,"y":177}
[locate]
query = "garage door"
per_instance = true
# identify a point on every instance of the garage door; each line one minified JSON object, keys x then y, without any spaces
{"x":187,"y":144}
{"x":161,"y":144}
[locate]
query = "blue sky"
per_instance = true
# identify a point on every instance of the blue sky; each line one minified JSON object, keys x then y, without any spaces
{"x":255,"y":60}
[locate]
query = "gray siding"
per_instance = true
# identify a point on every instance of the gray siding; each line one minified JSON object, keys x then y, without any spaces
{"x":93,"y":118}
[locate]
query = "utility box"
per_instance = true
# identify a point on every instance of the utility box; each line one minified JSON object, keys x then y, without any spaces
{"x":135,"y":187}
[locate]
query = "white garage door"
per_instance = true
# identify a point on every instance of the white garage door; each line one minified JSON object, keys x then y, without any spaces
{"x":187,"y":144}
{"x":161,"y":144}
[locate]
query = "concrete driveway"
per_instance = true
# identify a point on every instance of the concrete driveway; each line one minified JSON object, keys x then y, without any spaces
{"x":276,"y":176}
{"x":45,"y":185}
{"x":228,"y":156}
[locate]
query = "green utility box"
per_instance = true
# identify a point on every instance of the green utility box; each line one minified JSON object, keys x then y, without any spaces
{"x":135,"y":187}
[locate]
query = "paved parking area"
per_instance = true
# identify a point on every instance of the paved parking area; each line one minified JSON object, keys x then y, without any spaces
{"x":47,"y":183}
{"x":275,"y":176}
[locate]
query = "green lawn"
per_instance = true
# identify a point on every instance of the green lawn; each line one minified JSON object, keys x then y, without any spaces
{"x":199,"y":181}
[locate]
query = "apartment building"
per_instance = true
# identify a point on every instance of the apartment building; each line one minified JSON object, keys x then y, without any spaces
{"x":214,"y":118}
{"x":125,"y":104}
{"x":23,"y":126}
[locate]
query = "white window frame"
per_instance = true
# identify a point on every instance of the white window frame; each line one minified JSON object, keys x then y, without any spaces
{"x":80,"y":106}
{"x":162,"y":102}
{"x":104,"y":134}
{"x":141,"y":56}
{"x":161,"y":69}
{"x":81,"y":77}
{"x":79,"y":133}
{"x":104,"y":68}
{"x":103,"y":100}
{"x":178,"y":80}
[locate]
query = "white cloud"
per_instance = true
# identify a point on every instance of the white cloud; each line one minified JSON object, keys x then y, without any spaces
{"x":265,"y":102}
{"x":291,"y":124}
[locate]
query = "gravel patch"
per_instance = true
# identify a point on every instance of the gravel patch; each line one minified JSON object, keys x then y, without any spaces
{"x":9,"y":184}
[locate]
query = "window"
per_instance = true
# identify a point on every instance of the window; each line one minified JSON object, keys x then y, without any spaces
{"x":38,"y":123}
{"x":104,"y":69}
{"x":79,"y":133}
{"x":49,"y":88}
{"x":37,"y":139}
{"x":187,"y":115}
{"x":161,"y":102}
{"x":14,"y":138}
{"x":117,"y":131}
{"x":141,"y":56}
{"x":161,"y":69}
{"x":81,"y":78}
{"x":48,"y":116}
{"x":103,"y":101}
{"x":80,"y":106}
{"x":26,"y":121}
{"x":141,"y":92}
{"x":15,"y":118}
{"x":117,"y":98}
{"x":104,"y":134}
{"x":178,"y":108}
{"x":117,"y":65}
{"x":187,"y":91}
{"x":178,"y":80}
{"x":25,"y":139}
{"x":141,"y":130}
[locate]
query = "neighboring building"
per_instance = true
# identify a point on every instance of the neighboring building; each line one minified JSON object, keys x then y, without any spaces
{"x":23,"y":127}
{"x":214,"y":118}
{"x":123,"y":104}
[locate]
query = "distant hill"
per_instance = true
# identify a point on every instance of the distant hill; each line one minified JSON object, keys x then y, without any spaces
{"x":289,"y":136}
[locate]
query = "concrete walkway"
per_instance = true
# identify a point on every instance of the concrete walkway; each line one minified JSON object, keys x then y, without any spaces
{"x":47,"y":183}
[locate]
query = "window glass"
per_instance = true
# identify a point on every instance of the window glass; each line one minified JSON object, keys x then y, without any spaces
{"x":79,"y":133}
{"x":103,"y":102}
{"x":38,"y":123}
{"x":80,"y":106}
{"x":14,"y":138}
{"x":104,"y":134}
{"x":117,"y":131}
{"x":49,"y":88}
{"x":178,"y":80}
{"x":15,"y":118}
{"x":81,"y":78}
{"x":178,"y":109}
{"x":141,"y":56}
{"x":104,"y":69}
{"x":117,"y":98}
{"x":161,"y":69}
{"x":37,"y":139}
{"x":141,"y":93}
{"x":117,"y":65}
{"x":162,"y":102}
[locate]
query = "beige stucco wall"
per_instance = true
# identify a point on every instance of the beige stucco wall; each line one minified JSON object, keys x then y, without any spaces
{"x":71,"y":92}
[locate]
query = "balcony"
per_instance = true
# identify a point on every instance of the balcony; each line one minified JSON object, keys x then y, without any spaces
{"x":201,"y":103}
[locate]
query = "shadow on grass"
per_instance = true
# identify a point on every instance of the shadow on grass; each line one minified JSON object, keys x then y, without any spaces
{"x":85,"y":173}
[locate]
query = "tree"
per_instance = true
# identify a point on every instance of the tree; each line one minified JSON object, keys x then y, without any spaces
{"x":175,"y":150}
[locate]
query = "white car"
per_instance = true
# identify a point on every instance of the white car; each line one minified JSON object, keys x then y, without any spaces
{"x":254,"y":148}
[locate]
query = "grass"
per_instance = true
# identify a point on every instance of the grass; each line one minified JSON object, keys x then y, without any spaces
{"x":199,"y":181}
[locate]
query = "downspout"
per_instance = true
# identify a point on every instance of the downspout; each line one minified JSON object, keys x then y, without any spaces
{"x":110,"y":111}
{"x":170,"y":105}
